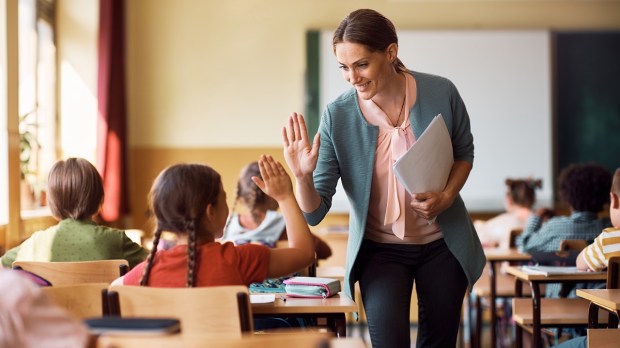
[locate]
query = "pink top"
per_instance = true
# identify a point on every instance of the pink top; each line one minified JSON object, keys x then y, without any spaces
{"x":390,"y":220}
{"x":29,"y":319}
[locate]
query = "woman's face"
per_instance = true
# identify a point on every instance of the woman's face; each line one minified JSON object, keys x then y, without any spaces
{"x":367,"y":71}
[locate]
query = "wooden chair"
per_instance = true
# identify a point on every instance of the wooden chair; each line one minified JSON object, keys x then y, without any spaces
{"x":66,"y":273}
{"x":514,"y":233}
{"x":86,"y":300}
{"x":613,"y":276}
{"x":224,"y":310}
{"x":296,"y":339}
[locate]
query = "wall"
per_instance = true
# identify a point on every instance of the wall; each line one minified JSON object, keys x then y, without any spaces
{"x":209,"y":77}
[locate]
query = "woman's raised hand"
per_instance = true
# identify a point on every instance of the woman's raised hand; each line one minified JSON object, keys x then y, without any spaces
{"x":300,"y":155}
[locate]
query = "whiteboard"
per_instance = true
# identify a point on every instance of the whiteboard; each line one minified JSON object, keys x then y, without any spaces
{"x":504,"y":78}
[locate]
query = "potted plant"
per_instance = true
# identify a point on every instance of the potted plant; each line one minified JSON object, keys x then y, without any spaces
{"x":28,"y":144}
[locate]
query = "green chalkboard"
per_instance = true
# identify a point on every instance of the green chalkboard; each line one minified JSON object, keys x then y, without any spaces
{"x":587,"y":98}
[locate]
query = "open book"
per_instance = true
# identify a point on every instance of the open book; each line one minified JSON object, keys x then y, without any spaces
{"x":426,"y":166}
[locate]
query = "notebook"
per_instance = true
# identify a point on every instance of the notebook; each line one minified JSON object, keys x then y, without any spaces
{"x":138,"y":326}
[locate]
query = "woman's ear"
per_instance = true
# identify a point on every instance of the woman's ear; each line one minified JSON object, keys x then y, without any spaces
{"x":392,"y":52}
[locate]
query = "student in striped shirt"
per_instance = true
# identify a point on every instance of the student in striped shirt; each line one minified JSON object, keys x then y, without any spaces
{"x":595,"y":257}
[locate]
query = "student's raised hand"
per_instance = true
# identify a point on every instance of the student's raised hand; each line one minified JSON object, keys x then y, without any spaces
{"x":300,"y":155}
{"x":275,"y":180}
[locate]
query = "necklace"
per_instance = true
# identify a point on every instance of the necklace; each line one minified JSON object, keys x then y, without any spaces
{"x":400,"y":113}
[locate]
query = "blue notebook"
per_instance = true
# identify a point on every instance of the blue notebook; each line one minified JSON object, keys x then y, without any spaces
{"x":138,"y":326}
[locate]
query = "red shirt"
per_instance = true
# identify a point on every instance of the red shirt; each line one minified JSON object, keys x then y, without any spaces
{"x":216,"y":264}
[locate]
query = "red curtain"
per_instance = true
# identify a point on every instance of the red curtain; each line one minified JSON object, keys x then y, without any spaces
{"x":112,"y":117}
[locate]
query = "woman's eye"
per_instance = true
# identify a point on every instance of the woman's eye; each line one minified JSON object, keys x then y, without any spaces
{"x":344,"y":68}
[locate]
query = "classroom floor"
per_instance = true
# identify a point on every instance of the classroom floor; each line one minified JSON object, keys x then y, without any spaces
{"x":361,"y":330}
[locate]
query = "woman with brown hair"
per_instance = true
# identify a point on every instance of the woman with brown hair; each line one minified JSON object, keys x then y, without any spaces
{"x":396,"y":239}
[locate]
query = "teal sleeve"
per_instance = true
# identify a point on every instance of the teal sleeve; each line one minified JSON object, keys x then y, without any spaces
{"x":9,"y":257}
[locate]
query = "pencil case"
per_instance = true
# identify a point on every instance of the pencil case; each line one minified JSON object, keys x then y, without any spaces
{"x":311,"y":287}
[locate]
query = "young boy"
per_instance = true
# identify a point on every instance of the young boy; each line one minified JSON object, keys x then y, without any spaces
{"x":595,"y":257}
{"x":75,"y":194}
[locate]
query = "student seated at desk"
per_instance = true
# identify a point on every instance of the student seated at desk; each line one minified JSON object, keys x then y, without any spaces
{"x":585,"y":188}
{"x":519,"y":199}
{"x":75,"y":194}
{"x":189,"y":200}
{"x":258,"y":220}
{"x":595,"y":257}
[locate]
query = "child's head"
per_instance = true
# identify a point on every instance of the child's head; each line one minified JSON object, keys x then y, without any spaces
{"x":614,"y":195}
{"x":252,"y":197}
{"x":585,"y":187}
{"x":75,"y":189}
{"x":187,"y":199}
{"x":521,"y":192}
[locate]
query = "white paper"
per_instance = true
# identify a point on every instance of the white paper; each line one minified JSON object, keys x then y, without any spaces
{"x":426,"y":166}
{"x":262,"y":298}
{"x":551,"y":270}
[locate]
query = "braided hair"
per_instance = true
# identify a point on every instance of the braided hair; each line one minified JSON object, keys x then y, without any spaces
{"x":178,"y":201}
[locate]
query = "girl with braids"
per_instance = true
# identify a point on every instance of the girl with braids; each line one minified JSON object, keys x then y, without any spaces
{"x":519,"y":199}
{"x":189,"y":201}
{"x":257,"y":220}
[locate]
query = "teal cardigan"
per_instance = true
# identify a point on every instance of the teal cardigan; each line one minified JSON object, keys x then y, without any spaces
{"x":347,"y":151}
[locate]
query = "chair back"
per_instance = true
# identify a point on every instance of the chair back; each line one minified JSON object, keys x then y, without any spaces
{"x":573,"y":244}
{"x":87,"y":300}
{"x":613,"y":272}
{"x":514,"y":233}
{"x":296,"y":339}
{"x":217,"y":309}
{"x":76,"y":272}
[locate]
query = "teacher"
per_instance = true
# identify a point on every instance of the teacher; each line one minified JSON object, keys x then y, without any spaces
{"x":395,"y":239}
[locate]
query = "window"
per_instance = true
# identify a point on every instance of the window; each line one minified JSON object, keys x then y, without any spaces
{"x":37,"y":98}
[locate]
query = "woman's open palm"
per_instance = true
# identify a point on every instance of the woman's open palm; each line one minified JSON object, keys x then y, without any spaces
{"x":300,"y":155}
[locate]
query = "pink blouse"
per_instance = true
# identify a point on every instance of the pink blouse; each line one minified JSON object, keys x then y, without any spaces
{"x":390,"y":220}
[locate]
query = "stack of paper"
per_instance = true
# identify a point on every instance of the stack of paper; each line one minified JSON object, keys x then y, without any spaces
{"x":426,"y":166}
{"x":551,"y":270}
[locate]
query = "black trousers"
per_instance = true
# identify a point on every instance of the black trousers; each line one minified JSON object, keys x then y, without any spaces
{"x":386,"y":274}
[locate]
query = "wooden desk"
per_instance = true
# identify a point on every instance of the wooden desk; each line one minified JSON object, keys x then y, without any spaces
{"x":608,"y":299}
{"x":535,"y":280}
{"x":603,"y":338}
{"x":494,"y":257}
{"x":332,"y":308}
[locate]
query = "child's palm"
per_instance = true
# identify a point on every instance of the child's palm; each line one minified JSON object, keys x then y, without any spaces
{"x":275,"y":180}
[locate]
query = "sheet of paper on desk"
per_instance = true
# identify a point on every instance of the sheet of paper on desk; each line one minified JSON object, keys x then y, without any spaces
{"x":551,"y":270}
{"x":425,"y":167}
{"x":262,"y":298}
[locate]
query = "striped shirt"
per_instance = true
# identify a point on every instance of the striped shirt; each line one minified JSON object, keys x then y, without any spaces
{"x":606,"y":245}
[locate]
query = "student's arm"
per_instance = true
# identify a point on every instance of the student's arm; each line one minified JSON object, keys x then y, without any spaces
{"x":9,"y":257}
{"x":581,"y":261}
{"x":300,"y":253}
